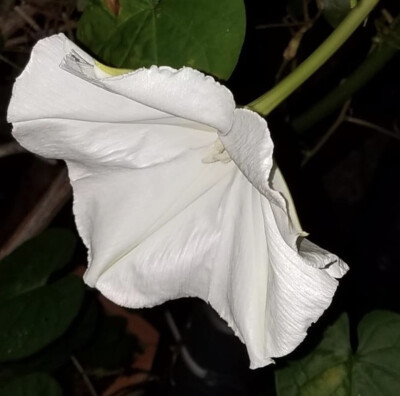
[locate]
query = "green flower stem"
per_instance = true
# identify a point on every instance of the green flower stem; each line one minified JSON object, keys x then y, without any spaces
{"x":270,"y":100}
{"x":381,"y":54}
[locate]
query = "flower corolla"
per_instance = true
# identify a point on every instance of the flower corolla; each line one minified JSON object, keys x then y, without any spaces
{"x":175,"y":194}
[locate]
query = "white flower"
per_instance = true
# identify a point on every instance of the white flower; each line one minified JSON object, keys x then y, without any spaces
{"x":162,"y":209}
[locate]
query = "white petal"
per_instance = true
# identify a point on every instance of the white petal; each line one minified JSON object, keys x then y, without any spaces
{"x":160,"y":220}
{"x":146,"y":94}
{"x":44,"y":90}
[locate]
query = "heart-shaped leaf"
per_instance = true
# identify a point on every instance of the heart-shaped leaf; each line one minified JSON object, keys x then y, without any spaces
{"x":30,"y":266}
{"x":31,"y":385}
{"x":32,"y":320}
{"x":333,"y":369}
{"x":203,"y":34}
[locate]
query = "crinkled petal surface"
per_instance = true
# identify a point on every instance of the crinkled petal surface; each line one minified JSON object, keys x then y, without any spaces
{"x":158,"y":220}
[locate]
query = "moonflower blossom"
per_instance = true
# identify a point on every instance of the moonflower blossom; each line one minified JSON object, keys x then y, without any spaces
{"x":175,"y":194}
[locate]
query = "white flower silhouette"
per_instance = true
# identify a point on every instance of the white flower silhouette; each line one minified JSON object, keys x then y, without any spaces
{"x":163,"y":209}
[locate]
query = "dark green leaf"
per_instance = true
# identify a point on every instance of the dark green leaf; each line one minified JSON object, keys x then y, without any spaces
{"x":203,"y":34}
{"x":335,"y":11}
{"x":58,"y":353}
{"x":376,"y":367}
{"x":30,"y":266}
{"x":32,"y":320}
{"x":47,"y":360}
{"x":31,"y":385}
{"x":333,"y":369}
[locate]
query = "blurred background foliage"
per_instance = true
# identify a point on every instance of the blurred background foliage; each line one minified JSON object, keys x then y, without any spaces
{"x":337,"y":140}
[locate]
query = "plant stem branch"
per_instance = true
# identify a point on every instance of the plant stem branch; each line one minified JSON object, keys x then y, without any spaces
{"x":10,"y":63}
{"x":270,"y":100}
{"x":85,"y":378}
{"x":41,"y":215}
{"x":308,"y":155}
{"x":27,"y":18}
{"x":381,"y":54}
{"x":338,"y":122}
{"x":370,"y":125}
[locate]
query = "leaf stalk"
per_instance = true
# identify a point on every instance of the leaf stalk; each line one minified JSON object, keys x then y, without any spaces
{"x":266,"y":103}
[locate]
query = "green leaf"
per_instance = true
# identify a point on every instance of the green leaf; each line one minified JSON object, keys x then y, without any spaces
{"x":335,"y":11}
{"x":204,"y":34}
{"x":333,"y":369}
{"x":31,"y":385}
{"x":377,"y":365}
{"x":30,"y":266}
{"x":47,"y":360}
{"x":58,"y":353}
{"x":34,"y":319}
